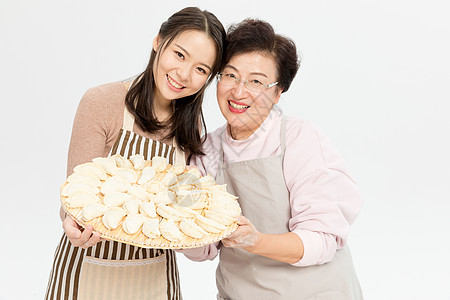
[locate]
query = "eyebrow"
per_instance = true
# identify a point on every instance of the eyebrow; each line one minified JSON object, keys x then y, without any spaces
{"x":187,"y":52}
{"x":251,"y":73}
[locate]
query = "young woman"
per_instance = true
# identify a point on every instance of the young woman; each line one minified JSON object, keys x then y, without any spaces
{"x":298,"y":200}
{"x":157,"y":113}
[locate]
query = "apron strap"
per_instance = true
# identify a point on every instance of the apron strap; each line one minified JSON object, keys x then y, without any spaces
{"x":283,"y":135}
{"x":179,"y":155}
{"x":128,"y":118}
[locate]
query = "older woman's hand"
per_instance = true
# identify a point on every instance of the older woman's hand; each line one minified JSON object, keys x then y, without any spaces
{"x":245,"y":237}
{"x":77,"y":236}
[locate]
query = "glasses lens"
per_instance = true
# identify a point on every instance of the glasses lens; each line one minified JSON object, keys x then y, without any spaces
{"x":227,"y":80}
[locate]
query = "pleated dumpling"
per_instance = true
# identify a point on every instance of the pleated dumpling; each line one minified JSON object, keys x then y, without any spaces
{"x":81,"y":199}
{"x":75,"y":187}
{"x":170,"y":231}
{"x":209,"y":225}
{"x":151,"y":228}
{"x":148,"y":209}
{"x":147,"y":174}
{"x":128,"y":175}
{"x":92,"y":211}
{"x":91,"y":169}
{"x":121,"y":161}
{"x":131,"y":206}
{"x":154,"y":187}
{"x":177,"y":168}
{"x":169,"y":213}
{"x":138,"y":161}
{"x":168,"y":178}
{"x":115,"y":184}
{"x":115,"y":199}
{"x":78,"y":178}
{"x":163,"y":197}
{"x":205,"y":181}
{"x":107,"y":163}
{"x":159,"y":163}
{"x":133,"y":223}
{"x":191,"y":229}
{"x":138,"y":192}
{"x":219,"y":218}
{"x":112,"y":217}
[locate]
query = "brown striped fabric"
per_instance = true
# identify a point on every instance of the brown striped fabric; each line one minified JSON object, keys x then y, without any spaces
{"x":65,"y":274}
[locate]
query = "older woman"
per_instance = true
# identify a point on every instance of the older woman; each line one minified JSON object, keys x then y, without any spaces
{"x":298,"y":200}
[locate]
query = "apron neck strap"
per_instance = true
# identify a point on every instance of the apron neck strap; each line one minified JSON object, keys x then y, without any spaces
{"x":128,"y":118}
{"x":180,"y":157}
{"x":283,"y":135}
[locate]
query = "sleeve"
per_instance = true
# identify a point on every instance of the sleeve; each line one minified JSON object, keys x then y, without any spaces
{"x":89,"y":131}
{"x":324,"y":199}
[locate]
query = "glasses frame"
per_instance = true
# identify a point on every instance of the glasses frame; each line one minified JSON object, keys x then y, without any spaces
{"x":245,"y":82}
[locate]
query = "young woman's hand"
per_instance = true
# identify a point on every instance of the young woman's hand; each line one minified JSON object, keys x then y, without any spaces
{"x":78,"y":236}
{"x":245,"y":237}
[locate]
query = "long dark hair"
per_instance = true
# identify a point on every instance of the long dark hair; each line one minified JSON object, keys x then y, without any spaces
{"x":187,"y":117}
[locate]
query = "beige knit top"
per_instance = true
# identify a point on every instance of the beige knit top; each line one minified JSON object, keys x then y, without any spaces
{"x":97,"y":123}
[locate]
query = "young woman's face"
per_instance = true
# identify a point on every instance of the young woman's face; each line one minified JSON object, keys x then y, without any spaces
{"x":244,"y":109}
{"x":184,"y":65}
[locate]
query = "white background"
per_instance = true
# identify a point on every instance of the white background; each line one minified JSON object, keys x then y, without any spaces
{"x":375,"y":78}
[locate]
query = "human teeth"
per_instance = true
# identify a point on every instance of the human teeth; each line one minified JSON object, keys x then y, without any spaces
{"x":172,"y":82}
{"x":237,"y":106}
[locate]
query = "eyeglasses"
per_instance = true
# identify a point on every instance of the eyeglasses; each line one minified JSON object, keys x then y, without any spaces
{"x":253,"y":84}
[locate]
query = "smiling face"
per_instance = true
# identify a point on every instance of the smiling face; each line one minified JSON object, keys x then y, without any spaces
{"x":182,"y":67}
{"x":244,"y":109}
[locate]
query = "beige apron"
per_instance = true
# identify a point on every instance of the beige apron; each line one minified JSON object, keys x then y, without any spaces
{"x":264,"y":199}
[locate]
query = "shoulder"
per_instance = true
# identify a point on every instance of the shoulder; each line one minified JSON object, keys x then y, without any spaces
{"x":109,"y":92}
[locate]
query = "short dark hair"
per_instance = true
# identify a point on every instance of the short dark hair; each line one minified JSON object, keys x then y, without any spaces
{"x":254,"y":35}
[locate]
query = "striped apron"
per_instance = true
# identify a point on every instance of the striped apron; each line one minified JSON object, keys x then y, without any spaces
{"x":114,"y":270}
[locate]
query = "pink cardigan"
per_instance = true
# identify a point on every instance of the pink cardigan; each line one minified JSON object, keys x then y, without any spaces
{"x":324,"y":199}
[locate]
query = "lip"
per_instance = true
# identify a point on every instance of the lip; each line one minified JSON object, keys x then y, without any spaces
{"x":171,"y":86}
{"x":237,"y":110}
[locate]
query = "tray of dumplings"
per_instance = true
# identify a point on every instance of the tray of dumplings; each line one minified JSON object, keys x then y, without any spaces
{"x":149,"y":203}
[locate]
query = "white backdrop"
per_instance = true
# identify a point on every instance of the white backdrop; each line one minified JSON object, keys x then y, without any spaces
{"x":375,"y":78}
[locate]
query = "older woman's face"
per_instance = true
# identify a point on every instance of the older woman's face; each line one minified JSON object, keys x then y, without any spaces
{"x":245,"y":110}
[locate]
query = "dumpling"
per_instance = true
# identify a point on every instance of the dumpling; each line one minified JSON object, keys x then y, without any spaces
{"x":139,"y":192}
{"x":188,"y":198}
{"x":138,"y":161}
{"x":219,"y":218}
{"x":129,"y":175}
{"x":115,"y":199}
{"x":147,"y":174}
{"x":148,"y":209}
{"x":151,"y":228}
{"x":163,"y":197}
{"x":107,"y":163}
{"x":154,"y":187}
{"x":169,"y":230}
{"x":75,"y":187}
{"x":122,"y":162}
{"x":168,"y":179}
{"x":94,"y":210}
{"x":159,"y":163}
{"x":209,"y":225}
{"x":78,"y":178}
{"x":177,"y":168}
{"x":115,"y":184}
{"x":91,"y":169}
{"x":133,"y":223}
{"x":81,"y":199}
{"x":112,"y":217}
{"x":168,"y":212}
{"x":191,"y":229}
{"x":205,"y":181}
{"x":131,"y":206}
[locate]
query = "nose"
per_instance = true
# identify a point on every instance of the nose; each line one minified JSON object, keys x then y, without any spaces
{"x":183,"y":73}
{"x":240,"y":90}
